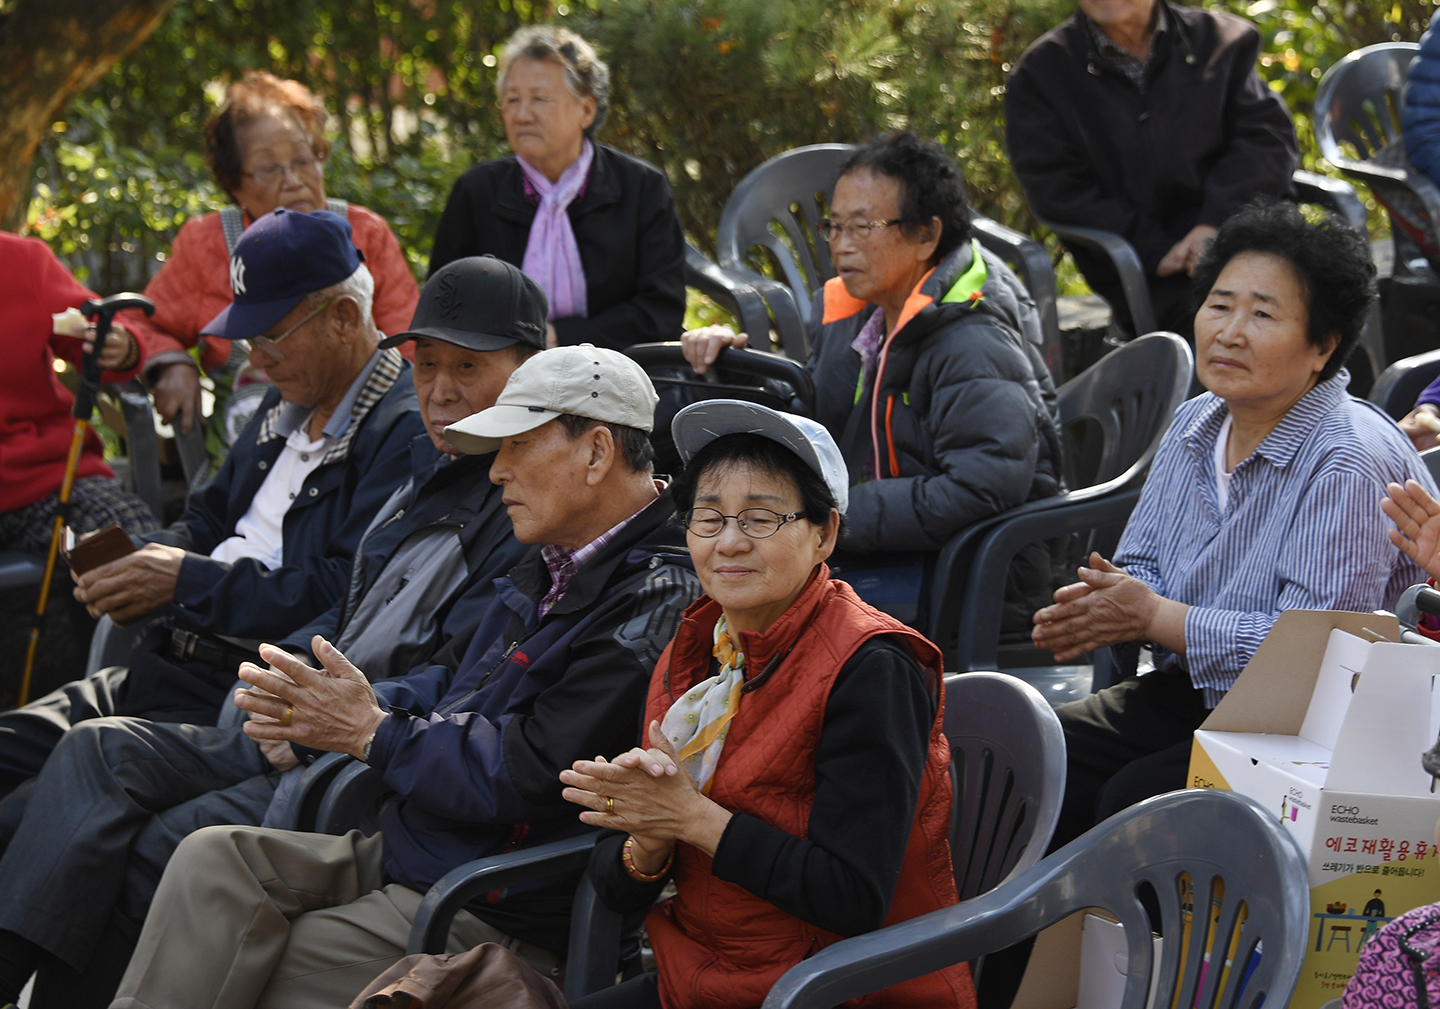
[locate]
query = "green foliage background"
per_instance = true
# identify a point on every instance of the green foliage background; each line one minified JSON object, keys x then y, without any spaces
{"x":707,"y":89}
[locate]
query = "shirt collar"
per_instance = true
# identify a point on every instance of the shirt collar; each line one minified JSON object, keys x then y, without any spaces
{"x":1282,"y":444}
{"x":1113,"y":52}
{"x":564,"y":565}
{"x":375,"y":379}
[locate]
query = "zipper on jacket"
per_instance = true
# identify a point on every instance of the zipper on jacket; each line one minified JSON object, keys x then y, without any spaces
{"x":450,"y":708}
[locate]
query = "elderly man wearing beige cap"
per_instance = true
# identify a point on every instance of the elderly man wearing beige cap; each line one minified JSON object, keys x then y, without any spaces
{"x":555,"y":671}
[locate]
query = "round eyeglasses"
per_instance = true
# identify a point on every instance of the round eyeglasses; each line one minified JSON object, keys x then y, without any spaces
{"x":859,"y":231}
{"x":757,"y":523}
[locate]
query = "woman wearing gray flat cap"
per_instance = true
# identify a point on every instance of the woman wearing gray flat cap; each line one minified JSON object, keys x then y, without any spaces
{"x":796,"y":788}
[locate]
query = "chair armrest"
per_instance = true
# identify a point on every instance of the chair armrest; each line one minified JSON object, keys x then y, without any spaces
{"x":301,"y":813}
{"x":194,"y":456}
{"x":908,"y":949}
{"x":742,"y":360}
{"x":459,"y":886}
{"x":18,"y":570}
{"x":737,"y":296}
{"x":1126,"y":261}
{"x":980,"y":608}
{"x":1333,"y":194}
{"x":351,"y":797}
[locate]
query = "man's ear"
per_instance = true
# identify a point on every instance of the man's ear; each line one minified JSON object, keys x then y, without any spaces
{"x":345,"y":317}
{"x":604,"y":453}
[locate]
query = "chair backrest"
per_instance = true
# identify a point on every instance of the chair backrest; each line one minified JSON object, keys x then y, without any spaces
{"x":1398,"y":386}
{"x":1032,"y":265}
{"x":777,"y":208}
{"x":1007,"y":768}
{"x":1114,"y":414}
{"x":1203,"y":848}
{"x":1357,"y":125}
{"x":1431,"y":458}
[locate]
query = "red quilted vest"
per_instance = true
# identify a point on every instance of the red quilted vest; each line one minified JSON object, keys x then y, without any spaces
{"x":718,"y":946}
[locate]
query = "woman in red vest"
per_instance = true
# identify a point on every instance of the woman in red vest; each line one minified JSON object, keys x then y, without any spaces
{"x":796,"y":789}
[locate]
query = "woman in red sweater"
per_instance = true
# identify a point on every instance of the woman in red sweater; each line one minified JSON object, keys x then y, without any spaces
{"x":35,"y":422}
{"x":267,"y":148}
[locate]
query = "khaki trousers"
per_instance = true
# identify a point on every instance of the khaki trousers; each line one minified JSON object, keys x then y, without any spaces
{"x":250,"y":917}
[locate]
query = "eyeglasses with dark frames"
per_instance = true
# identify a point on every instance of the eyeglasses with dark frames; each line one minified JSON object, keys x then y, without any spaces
{"x":757,"y":523}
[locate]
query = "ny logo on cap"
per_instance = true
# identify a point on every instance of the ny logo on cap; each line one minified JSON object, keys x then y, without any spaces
{"x":237,"y":275}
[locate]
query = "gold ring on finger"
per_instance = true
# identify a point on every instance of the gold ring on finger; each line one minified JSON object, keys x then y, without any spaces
{"x":289,"y":714}
{"x":609,"y":805}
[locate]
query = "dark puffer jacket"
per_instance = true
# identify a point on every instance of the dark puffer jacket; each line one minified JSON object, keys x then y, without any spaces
{"x":960,"y":416}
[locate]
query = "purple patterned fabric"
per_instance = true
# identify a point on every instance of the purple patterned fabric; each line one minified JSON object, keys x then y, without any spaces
{"x":1385,"y":976}
{"x":552,"y":259}
{"x":867,"y":345}
{"x":564,"y":565}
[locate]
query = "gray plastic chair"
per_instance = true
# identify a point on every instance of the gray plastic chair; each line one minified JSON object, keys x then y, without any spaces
{"x":1008,"y":776}
{"x":1213,"y":837}
{"x":1113,"y":417}
{"x":1399,"y":385}
{"x":1431,"y":458}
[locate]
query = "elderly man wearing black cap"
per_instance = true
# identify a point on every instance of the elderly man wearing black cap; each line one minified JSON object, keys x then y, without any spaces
{"x":424,"y":573}
{"x":556,"y":670}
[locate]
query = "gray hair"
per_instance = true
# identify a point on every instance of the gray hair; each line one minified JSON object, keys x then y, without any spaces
{"x":360,"y":285}
{"x":585,"y":72}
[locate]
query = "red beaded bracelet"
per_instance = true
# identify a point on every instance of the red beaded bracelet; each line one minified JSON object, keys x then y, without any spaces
{"x":628,"y":857}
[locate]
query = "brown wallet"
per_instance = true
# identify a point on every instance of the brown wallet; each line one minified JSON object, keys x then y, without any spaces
{"x":109,"y":544}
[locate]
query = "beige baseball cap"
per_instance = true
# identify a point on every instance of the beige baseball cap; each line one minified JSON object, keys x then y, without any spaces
{"x":585,"y":381}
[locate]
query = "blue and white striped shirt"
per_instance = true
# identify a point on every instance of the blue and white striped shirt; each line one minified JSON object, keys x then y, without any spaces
{"x":1302,"y":530}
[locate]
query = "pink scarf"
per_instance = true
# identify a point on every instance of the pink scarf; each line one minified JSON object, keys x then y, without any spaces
{"x":552,"y":259}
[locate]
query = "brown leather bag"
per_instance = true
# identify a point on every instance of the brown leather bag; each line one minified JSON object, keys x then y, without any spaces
{"x":488,"y":975}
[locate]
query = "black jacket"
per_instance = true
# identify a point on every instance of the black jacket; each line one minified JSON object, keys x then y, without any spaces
{"x":965,"y":415}
{"x":1205,"y":137}
{"x":473,"y":745}
{"x":631,"y":245}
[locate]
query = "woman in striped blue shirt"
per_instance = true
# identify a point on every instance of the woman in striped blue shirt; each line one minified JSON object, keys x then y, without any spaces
{"x":1261,"y":499}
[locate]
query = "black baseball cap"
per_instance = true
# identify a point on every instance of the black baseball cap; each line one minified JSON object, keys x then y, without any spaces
{"x":479,"y":303}
{"x":281,"y":258}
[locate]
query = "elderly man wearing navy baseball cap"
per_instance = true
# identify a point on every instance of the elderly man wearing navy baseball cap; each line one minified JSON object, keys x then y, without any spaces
{"x":266,"y":545}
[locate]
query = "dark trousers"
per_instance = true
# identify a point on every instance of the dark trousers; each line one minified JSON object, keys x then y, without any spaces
{"x":154,"y":686}
{"x":641,"y":992}
{"x":1124,"y":744}
{"x":113,"y":801}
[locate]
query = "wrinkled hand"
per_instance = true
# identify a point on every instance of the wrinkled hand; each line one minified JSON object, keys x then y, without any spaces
{"x":1184,"y":254}
{"x":656,"y":800}
{"x":1417,"y":518}
{"x":132,"y":587}
{"x":702,"y":346}
{"x":279,"y":753}
{"x":334,"y":709}
{"x":176,"y":389}
{"x":1422,"y":426}
{"x":118,"y":344}
{"x":1105,"y":607}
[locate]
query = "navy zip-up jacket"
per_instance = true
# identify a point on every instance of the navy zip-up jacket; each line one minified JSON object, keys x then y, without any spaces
{"x":474,"y":750}
{"x":321,"y":529}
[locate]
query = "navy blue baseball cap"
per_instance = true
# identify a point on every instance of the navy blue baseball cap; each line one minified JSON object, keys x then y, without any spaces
{"x":281,"y":258}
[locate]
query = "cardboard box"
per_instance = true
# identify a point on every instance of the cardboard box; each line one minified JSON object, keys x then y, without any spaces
{"x":1325,"y":727}
{"x":1105,"y":964}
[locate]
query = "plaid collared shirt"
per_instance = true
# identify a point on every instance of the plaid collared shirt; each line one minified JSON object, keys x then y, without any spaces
{"x":373,"y":382}
{"x":564,"y":564}
{"x":1122,"y":59}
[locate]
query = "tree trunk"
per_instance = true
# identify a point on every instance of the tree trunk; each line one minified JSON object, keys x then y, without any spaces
{"x":50,"y":51}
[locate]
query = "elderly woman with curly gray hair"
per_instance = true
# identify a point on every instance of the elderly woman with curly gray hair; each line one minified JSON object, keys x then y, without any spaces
{"x":594,"y":227}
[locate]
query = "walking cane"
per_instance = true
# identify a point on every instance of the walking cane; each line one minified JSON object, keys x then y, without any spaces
{"x":102,"y":311}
